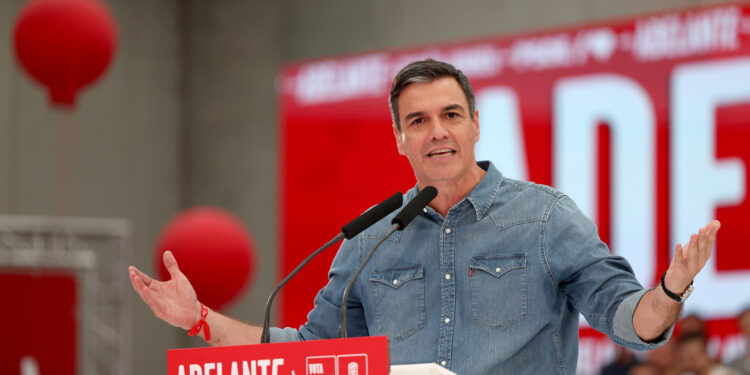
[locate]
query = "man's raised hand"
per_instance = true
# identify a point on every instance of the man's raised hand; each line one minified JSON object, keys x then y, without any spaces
{"x":173,"y":301}
{"x":688,"y":260}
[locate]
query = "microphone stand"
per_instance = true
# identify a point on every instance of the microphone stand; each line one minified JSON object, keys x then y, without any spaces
{"x":342,"y":327}
{"x":399,"y":222}
{"x":265,"y":337}
{"x":348,"y":231}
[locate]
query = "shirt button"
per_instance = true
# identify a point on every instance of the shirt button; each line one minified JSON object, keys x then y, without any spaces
{"x":497,"y":269}
{"x":447,"y":230}
{"x":395,"y":282}
{"x":443,"y":363}
{"x":447,"y":276}
{"x":447,"y":320}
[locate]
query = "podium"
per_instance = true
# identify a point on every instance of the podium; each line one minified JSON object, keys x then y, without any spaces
{"x":352,"y":356}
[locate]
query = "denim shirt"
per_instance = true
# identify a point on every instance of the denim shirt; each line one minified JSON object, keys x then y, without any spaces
{"x":494,"y":287}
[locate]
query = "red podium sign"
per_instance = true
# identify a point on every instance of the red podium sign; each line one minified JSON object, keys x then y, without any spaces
{"x":354,"y":356}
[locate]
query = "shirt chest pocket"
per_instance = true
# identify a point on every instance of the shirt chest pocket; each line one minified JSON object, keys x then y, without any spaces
{"x":498,"y":290}
{"x":399,"y":300}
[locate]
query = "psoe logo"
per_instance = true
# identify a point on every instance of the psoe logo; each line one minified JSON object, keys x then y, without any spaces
{"x":346,"y":364}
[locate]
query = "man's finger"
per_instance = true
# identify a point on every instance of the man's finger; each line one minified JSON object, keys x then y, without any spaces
{"x":147,"y":295}
{"x":138,"y":286}
{"x":688,"y":251}
{"x":145,"y":278}
{"x":714,"y":229}
{"x":171,"y":264}
{"x":704,"y":241}
{"x":695,"y":252}
{"x":132,"y":277}
{"x":678,"y":253}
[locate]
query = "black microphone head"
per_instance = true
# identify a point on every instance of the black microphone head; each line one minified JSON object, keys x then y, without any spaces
{"x":412,"y":208}
{"x":372,"y":216}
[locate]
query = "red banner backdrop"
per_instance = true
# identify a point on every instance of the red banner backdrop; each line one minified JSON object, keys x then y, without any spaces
{"x":644,"y":122}
{"x":39,"y":315}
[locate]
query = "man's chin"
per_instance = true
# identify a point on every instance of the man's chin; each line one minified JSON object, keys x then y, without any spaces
{"x":440,"y":175}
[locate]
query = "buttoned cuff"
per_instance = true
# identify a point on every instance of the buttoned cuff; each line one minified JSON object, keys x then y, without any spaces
{"x":623,"y":327}
{"x":284,"y":334}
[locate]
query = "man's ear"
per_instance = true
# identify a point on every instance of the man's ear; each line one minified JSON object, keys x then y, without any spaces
{"x":399,"y":139}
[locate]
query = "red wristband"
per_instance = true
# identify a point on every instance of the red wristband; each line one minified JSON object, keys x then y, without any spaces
{"x":201,"y":324}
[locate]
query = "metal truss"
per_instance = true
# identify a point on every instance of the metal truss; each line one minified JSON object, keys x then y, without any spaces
{"x":98,"y":252}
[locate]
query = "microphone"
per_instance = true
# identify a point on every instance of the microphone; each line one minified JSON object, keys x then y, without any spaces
{"x":348,"y":231}
{"x":411,"y":210}
{"x":402,"y":219}
{"x":372,"y":216}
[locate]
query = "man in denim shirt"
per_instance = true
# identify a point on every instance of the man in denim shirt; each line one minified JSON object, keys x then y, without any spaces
{"x":490,"y":278}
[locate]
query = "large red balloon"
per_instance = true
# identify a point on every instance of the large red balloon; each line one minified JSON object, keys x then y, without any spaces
{"x":213,"y":249}
{"x":65,"y":44}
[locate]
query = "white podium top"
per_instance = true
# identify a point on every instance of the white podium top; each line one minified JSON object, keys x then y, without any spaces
{"x":421,"y":369}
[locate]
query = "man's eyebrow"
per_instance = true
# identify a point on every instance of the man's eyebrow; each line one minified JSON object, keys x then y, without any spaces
{"x":413,"y":115}
{"x":453,"y":107}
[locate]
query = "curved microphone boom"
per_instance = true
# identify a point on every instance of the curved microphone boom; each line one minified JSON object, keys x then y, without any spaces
{"x":402,"y":219}
{"x":348,"y":231}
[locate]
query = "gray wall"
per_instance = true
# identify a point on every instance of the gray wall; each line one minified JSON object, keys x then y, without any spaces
{"x":187,"y":113}
{"x":127,"y":155}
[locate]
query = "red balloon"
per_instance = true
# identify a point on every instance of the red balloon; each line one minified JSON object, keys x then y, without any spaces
{"x":65,"y":44}
{"x":213,"y":249}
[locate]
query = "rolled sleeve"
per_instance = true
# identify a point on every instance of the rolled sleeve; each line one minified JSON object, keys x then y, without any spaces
{"x":624,"y":330}
{"x":601,"y":286}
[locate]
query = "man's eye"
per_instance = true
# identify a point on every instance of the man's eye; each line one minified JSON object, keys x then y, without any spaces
{"x":417,"y":121}
{"x":452,"y":114}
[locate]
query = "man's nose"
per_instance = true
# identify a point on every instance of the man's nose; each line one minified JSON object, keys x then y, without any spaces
{"x":439,"y":130}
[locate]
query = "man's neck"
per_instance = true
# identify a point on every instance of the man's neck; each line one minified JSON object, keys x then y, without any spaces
{"x":452,"y":192}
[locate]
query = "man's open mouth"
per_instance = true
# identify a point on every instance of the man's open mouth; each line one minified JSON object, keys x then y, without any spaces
{"x":441,"y":153}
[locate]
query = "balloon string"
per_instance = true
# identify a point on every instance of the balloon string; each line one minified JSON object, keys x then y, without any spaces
{"x":65,"y":159}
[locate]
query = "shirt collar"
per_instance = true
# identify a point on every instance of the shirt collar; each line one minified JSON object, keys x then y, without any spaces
{"x":482,"y":196}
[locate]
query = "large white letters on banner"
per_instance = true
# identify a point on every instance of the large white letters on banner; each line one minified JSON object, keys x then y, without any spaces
{"x":500,"y":138}
{"x":699,"y":182}
{"x":580,"y":104}
{"x":672,"y":89}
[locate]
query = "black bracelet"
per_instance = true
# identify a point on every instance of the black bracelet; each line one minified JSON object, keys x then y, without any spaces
{"x":675,"y":296}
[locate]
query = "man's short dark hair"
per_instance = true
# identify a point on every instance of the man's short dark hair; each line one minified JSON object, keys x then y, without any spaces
{"x":426,"y":71}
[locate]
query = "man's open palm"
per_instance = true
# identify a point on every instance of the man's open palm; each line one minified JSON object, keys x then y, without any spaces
{"x":173,"y":301}
{"x":688,"y":260}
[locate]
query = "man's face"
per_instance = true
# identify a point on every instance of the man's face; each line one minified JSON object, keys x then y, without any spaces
{"x":437,"y":132}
